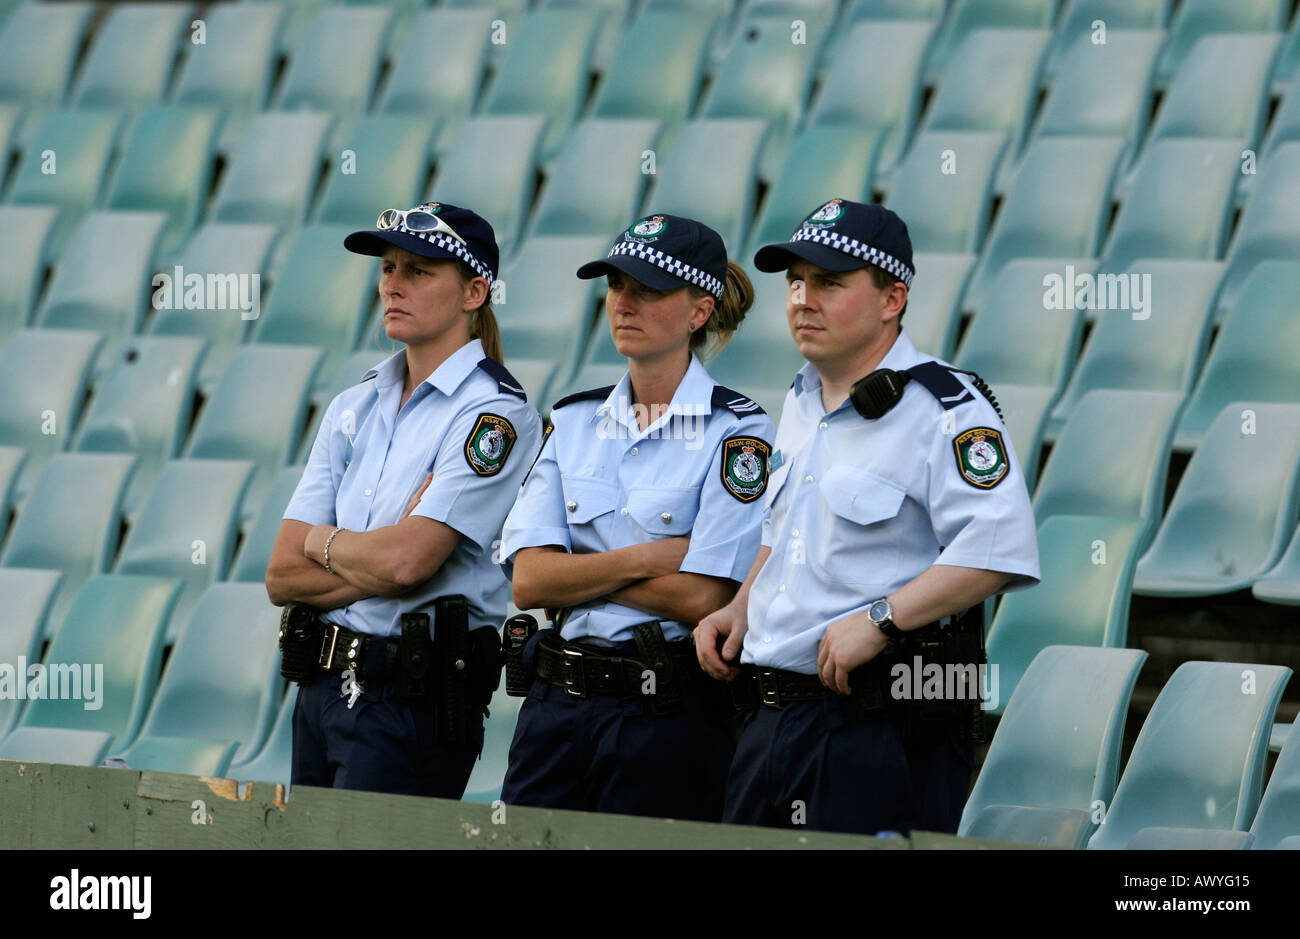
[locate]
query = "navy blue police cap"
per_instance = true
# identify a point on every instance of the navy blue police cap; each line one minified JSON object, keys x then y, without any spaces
{"x":666,"y":252}
{"x":433,"y":230}
{"x":844,"y":236}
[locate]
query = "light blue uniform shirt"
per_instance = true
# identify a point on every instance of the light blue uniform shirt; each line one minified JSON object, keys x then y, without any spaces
{"x":859,"y":508}
{"x":368,"y":460}
{"x":602,"y":483}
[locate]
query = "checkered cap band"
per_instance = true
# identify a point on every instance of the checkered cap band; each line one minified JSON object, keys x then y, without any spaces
{"x":670,"y":264}
{"x":447,"y":243}
{"x":857,"y":249}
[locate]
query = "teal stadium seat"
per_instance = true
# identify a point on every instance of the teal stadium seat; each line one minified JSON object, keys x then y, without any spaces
{"x":274,"y":762}
{"x":557,"y":44}
{"x":546,"y":312}
{"x":669,"y":44}
{"x":597,"y":180}
{"x":944,"y":189}
{"x":24,"y":236}
{"x":1281,"y":583}
{"x":1087,"y":567}
{"x":1112,"y":457}
{"x":967,"y":17}
{"x":57,"y":745}
{"x":39,"y":45}
{"x":71,"y":522}
{"x":1269,"y":227}
{"x":439,"y":68}
{"x":1196,"y":18}
{"x":1279,"y":811}
{"x":143,"y":406}
{"x":255,"y":550}
{"x":1179,"y":204}
{"x":1017,"y":339}
{"x":711,"y":175}
{"x":991,"y":84}
{"x":335,"y":67}
{"x":300,"y":15}
{"x":234,"y":66}
{"x":1057,"y":746}
{"x":1288,"y":60}
{"x":11,"y":466}
{"x":1235,"y":507}
{"x":256,"y":412}
{"x":765,"y":76}
{"x":216,"y":252}
{"x":187,"y":529}
{"x":934,"y":302}
{"x":492,"y":166}
{"x":389,"y":166}
{"x":1199,"y":760}
{"x":64,"y":164}
{"x":1285,"y":126}
{"x":321,"y":295}
{"x":506,"y":18}
{"x":222,"y":688}
{"x":274,"y":173}
{"x":167,"y":166}
{"x":1161,"y":352}
{"x":28,"y":594}
{"x":1119,"y":17}
{"x":1041,"y":218}
{"x":1102,"y":89}
{"x":44,"y":374}
{"x":827,"y":158}
{"x":132,"y":55}
{"x":1189,"y":839}
{"x":1254,"y":355}
{"x":614,"y":15}
{"x":116,"y":621}
{"x":885,"y":57}
{"x":1024,"y":412}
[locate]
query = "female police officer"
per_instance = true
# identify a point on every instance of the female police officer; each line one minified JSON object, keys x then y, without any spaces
{"x":411,"y":475}
{"x":640,"y":516}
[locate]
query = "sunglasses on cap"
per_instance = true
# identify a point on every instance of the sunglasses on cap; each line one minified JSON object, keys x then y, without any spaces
{"x":416,"y":220}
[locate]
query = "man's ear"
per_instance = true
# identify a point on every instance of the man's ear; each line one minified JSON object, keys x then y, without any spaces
{"x":895,"y":300}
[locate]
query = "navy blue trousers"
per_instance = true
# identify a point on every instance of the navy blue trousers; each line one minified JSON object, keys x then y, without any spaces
{"x":606,"y":754}
{"x":381,"y":744}
{"x":815,"y":765}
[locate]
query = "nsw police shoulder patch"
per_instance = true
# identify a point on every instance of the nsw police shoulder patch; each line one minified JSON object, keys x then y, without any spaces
{"x":745,"y":467}
{"x":489,"y":444}
{"x":981,"y":457}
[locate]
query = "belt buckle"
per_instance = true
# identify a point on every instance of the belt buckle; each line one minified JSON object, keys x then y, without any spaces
{"x":769,"y":689}
{"x":331,"y":637}
{"x":571,"y":673}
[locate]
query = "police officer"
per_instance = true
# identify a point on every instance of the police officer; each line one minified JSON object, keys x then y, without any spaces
{"x":388,"y":538}
{"x":896,"y":507}
{"x":641,"y":515}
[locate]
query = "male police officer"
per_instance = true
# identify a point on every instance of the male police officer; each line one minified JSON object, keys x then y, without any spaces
{"x":894,"y":512}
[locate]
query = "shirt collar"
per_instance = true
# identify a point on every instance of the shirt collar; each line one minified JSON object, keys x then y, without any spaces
{"x":447,"y":377}
{"x":901,"y":355}
{"x":694,"y":395}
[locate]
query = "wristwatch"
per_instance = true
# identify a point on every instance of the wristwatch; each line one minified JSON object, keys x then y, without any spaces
{"x":881,"y":613}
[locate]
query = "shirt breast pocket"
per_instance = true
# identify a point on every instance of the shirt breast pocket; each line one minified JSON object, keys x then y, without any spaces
{"x":664,"y":512}
{"x":590,"y":501}
{"x":857,"y":544}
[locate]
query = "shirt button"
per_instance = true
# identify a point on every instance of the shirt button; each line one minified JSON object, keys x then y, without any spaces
{"x":571,"y":506}
{"x":783,"y":588}
{"x":369,"y":491}
{"x":666,"y":516}
{"x":808,"y":478}
{"x":623,"y":510}
{"x":822,"y":425}
{"x":767,"y":638}
{"x":795,"y":533}
{"x":634,"y":451}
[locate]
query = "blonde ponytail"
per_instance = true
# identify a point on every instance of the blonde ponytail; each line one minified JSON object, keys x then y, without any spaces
{"x":728,"y":313}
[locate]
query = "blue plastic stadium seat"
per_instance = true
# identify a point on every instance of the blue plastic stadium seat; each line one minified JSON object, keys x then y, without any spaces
{"x":274,"y":173}
{"x":24,"y":236}
{"x":944,"y":189}
{"x":1058,"y":743}
{"x":1278,"y":817}
{"x":222,"y":688}
{"x":39,"y":45}
{"x":1196,"y":18}
{"x":1119,"y":17}
{"x":1024,"y":411}
{"x":274,"y":762}
{"x":57,"y":745}
{"x":387,"y":163}
{"x":970,"y":16}
{"x":934,"y":302}
{"x":131,"y":58}
{"x":1189,"y":839}
{"x":28,"y":594}
{"x":1281,"y":583}
{"x":1235,"y":508}
{"x":1199,"y":760}
{"x":255,"y":550}
{"x":1269,"y":226}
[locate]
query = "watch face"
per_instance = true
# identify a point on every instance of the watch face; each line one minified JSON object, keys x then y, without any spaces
{"x":879,"y":611}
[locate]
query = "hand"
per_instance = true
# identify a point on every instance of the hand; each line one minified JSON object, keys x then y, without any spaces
{"x":664,"y":556}
{"x":314,"y":546}
{"x":848,"y":643}
{"x":415,"y":499}
{"x":731,"y":624}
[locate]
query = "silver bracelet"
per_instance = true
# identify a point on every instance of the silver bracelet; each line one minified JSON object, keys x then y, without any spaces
{"x":327,"y":549}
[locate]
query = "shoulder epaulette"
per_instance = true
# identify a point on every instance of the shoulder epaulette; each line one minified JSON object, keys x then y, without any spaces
{"x":942,"y":382}
{"x":735,"y":402}
{"x":590,"y":395}
{"x":505,"y":381}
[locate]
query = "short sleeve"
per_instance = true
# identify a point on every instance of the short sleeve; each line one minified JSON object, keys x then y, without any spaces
{"x":315,"y":498}
{"x":478,"y":468}
{"x":537,"y":518}
{"x":979,"y":504}
{"x":729,"y":525}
